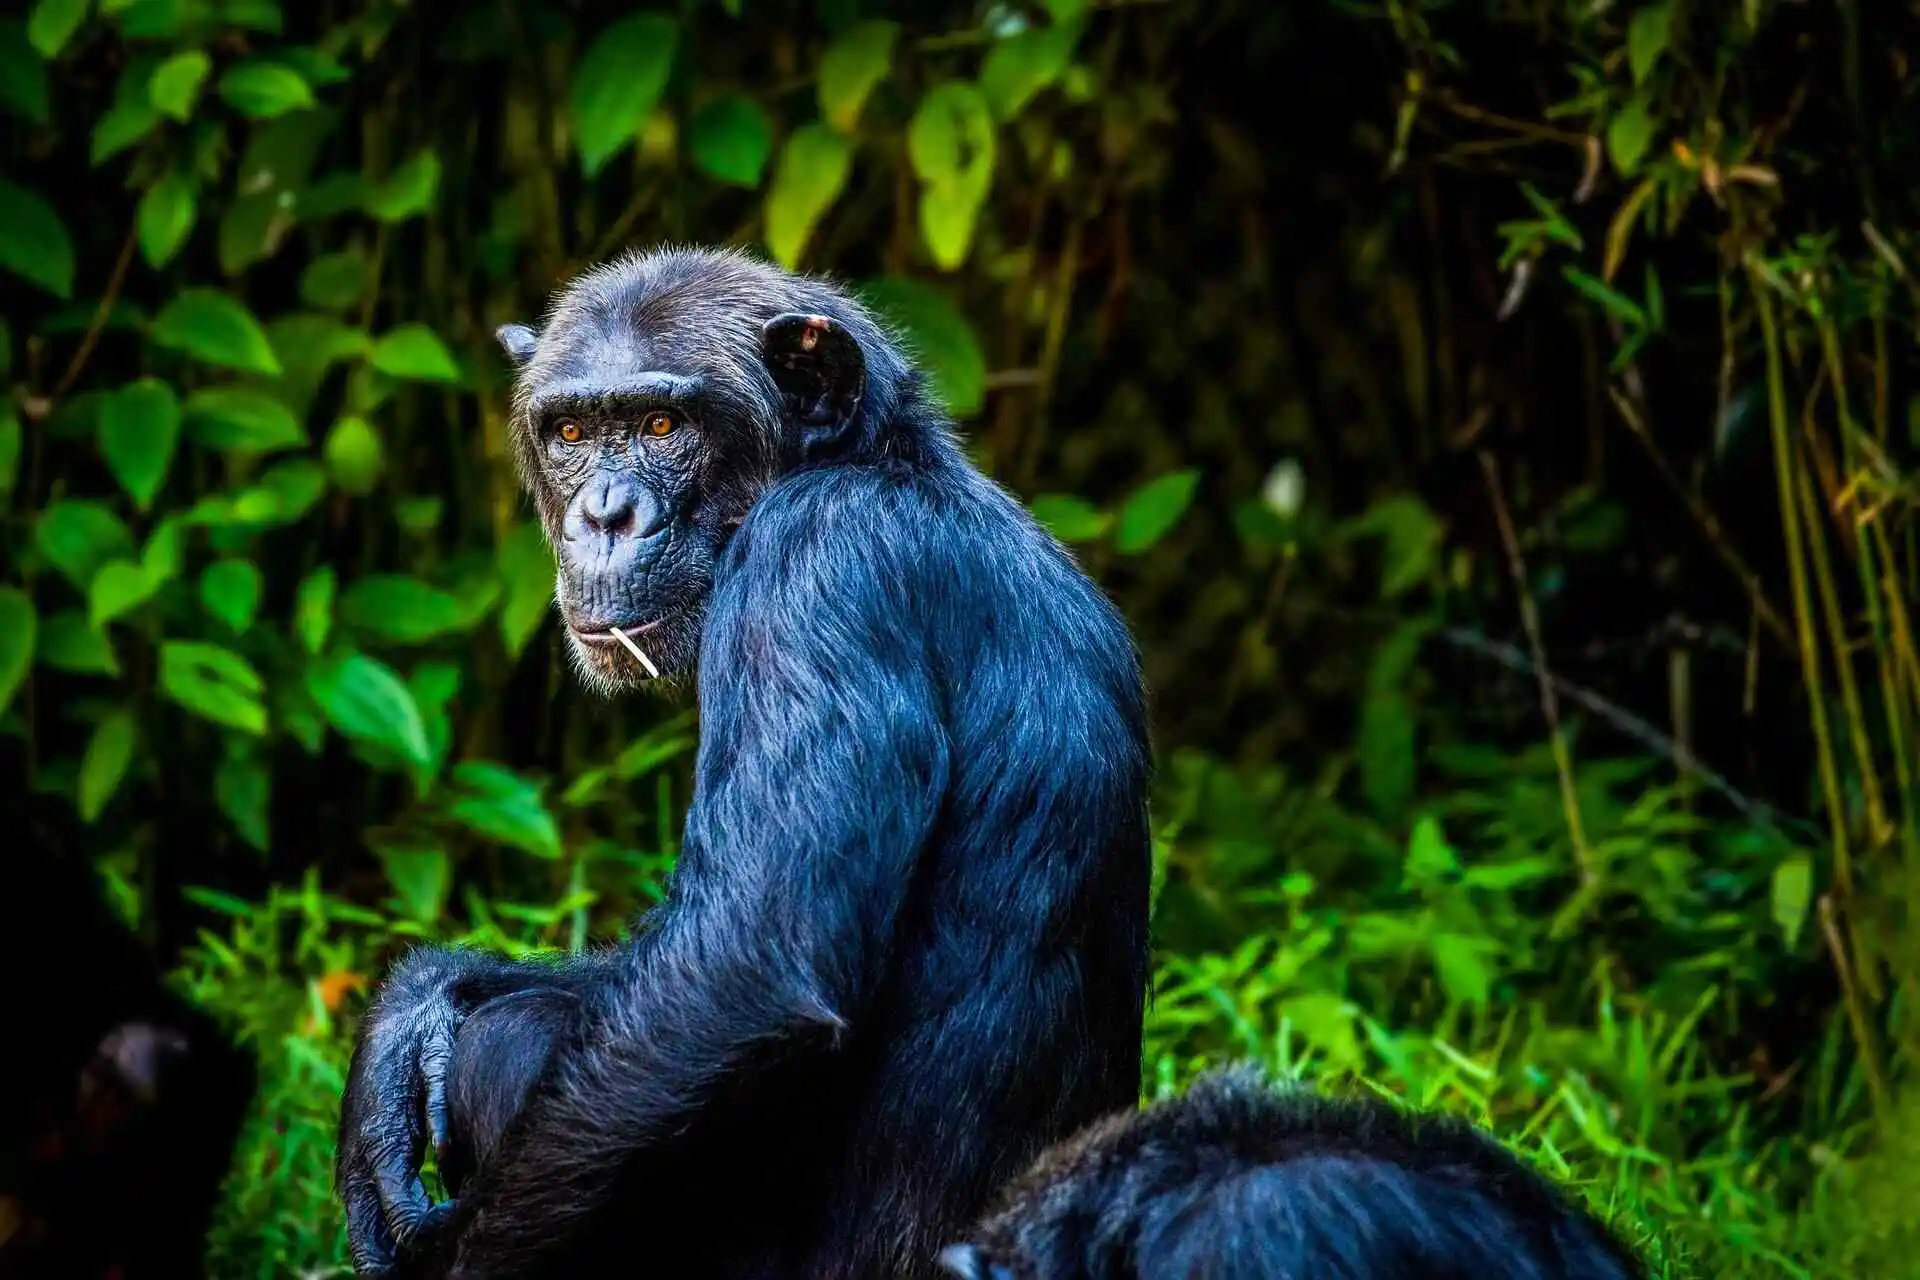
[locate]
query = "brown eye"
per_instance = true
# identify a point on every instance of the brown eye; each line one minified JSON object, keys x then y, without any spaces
{"x":571,"y":432}
{"x":658,"y":424}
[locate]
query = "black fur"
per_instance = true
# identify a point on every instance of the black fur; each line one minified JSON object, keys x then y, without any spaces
{"x":905,"y":947}
{"x":1235,"y":1181}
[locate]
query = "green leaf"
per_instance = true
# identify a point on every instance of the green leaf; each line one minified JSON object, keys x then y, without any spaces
{"x":414,"y":351}
{"x":68,"y":643}
{"x":1065,"y":10}
{"x":77,"y":536}
{"x":109,"y":752}
{"x":1020,"y":66}
{"x":34,"y":244}
{"x":118,"y":589}
{"x":336,"y":281}
{"x":1461,"y":962}
{"x":1413,"y":536}
{"x":527,"y":572}
{"x":1430,"y":859}
{"x":811,"y":173}
{"x":139,"y":430}
{"x":18,"y":623}
{"x":124,"y":124}
{"x":939,"y":335}
{"x":1629,"y":134}
{"x":420,"y":876}
{"x":1071,"y":519}
{"x":408,"y":190}
{"x":210,"y":326}
{"x":53,"y":24}
{"x":399,"y":609}
{"x":313,"y":608}
{"x":23,"y":75}
{"x":352,"y":453}
{"x":367,"y":702}
{"x":501,"y":805}
{"x":165,"y":551}
{"x":214,"y":683}
{"x":1647,"y":39}
{"x":242,"y":787}
{"x":949,"y":212}
{"x":230,"y":590}
{"x":730,"y":139}
{"x":1386,"y":742}
{"x":175,"y":87}
{"x":618,"y":82}
{"x":857,"y":60}
{"x":1792,"y":893}
{"x":263,"y":90}
{"x":1150,"y":513}
{"x":951,"y":142}
{"x":165,"y":217}
{"x":1617,"y":304}
{"x":12,"y":439}
{"x":243,"y":420}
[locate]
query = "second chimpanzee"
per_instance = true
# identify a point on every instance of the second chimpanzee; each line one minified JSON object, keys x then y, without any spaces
{"x":1237,"y":1181}
{"x":905,"y":945}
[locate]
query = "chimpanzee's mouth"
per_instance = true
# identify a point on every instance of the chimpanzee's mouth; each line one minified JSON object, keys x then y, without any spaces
{"x":606,"y":636}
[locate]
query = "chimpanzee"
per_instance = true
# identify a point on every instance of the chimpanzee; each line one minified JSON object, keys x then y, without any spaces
{"x":905,"y":946}
{"x":119,"y":1110}
{"x":1236,"y":1181}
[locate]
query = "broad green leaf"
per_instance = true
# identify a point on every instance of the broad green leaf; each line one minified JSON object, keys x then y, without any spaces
{"x":399,"y":609}
{"x":309,"y":345}
{"x":619,"y":80}
{"x":1152,"y":510}
{"x":242,"y":787}
{"x":77,"y":536}
{"x":109,"y":752}
{"x":527,"y":574}
{"x":165,"y":217}
{"x":242,"y":419}
{"x":1430,"y":859}
{"x":313,"y":608}
{"x":949,"y":212}
{"x":367,"y":702}
{"x":1647,"y":39}
{"x":730,"y":139}
{"x":23,"y":75}
{"x":118,"y":589}
{"x":18,"y":625}
{"x":165,"y":552}
{"x":263,"y":89}
{"x":68,"y":643}
{"x":175,"y":87}
{"x":414,"y":351}
{"x":857,"y":60}
{"x":230,"y":590}
{"x":1461,"y":962}
{"x":1388,"y":762}
{"x":1629,"y":134}
{"x":408,"y":191}
{"x":139,"y":430}
{"x":811,"y":173}
{"x":1792,"y":894}
{"x":499,"y":804}
{"x":1413,"y":537}
{"x":34,"y":243}
{"x":1020,"y":66}
{"x":336,"y":281}
{"x":951,"y":136}
{"x":420,"y":876}
{"x":353,"y":455}
{"x":939,"y":336}
{"x":210,"y":326}
{"x":214,"y":683}
{"x":1071,"y":519}
{"x":53,"y":24}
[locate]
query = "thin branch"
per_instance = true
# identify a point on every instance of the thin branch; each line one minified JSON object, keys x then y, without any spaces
{"x":98,"y":324}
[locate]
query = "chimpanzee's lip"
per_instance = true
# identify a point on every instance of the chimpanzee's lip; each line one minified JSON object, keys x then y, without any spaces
{"x":604,"y":635}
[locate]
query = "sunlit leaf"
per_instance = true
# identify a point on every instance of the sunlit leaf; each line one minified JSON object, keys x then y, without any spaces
{"x":1152,"y":510}
{"x":18,"y":626}
{"x":1647,"y":39}
{"x":420,"y":875}
{"x":730,"y":139}
{"x":1461,"y":962}
{"x":139,"y":429}
{"x":1020,"y":66}
{"x":1629,"y":134}
{"x":165,"y":217}
{"x":53,"y":24}
{"x":1071,"y":519}
{"x":118,"y":589}
{"x":214,"y":683}
{"x":808,"y":178}
{"x":34,"y":243}
{"x":399,"y":609}
{"x":527,"y":573}
{"x":414,"y":351}
{"x":353,"y":456}
{"x":241,"y":419}
{"x":408,"y":191}
{"x":619,"y":80}
{"x":366,"y":701}
{"x":857,"y":60}
{"x":497,"y":803}
{"x":1792,"y":896}
{"x":175,"y":87}
{"x":313,"y":608}
{"x":67,"y":642}
{"x":213,"y":327}
{"x":77,"y":536}
{"x":336,"y":281}
{"x":262,"y":89}
{"x":109,"y":752}
{"x":230,"y":590}
{"x":951,"y":144}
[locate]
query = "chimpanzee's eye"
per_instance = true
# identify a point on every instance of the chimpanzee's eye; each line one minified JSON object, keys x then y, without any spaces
{"x":658,"y":424}
{"x":571,"y":432}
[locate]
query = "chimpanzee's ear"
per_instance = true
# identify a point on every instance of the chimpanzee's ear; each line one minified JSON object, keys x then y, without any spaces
{"x":970,"y":1262}
{"x":518,"y":341}
{"x":821,"y":373}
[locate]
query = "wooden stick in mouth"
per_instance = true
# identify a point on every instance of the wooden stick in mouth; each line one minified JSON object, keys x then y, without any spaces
{"x":634,"y":649}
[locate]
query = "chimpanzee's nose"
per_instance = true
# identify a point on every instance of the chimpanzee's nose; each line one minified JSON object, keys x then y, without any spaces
{"x":615,"y":505}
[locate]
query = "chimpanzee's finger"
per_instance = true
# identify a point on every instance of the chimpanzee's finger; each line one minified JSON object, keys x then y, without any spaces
{"x":368,"y":1243}
{"x":436,"y":1057}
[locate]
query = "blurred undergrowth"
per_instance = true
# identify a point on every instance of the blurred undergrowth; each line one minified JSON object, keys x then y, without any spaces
{"x":1497,"y":419}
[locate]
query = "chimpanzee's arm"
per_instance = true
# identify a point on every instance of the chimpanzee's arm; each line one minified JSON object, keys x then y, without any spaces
{"x":822,"y":766}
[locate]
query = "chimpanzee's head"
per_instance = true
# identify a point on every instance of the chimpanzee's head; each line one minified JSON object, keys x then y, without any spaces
{"x":662,"y":396}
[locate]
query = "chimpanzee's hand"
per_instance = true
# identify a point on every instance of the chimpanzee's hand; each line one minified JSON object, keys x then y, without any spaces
{"x":396,"y":1101}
